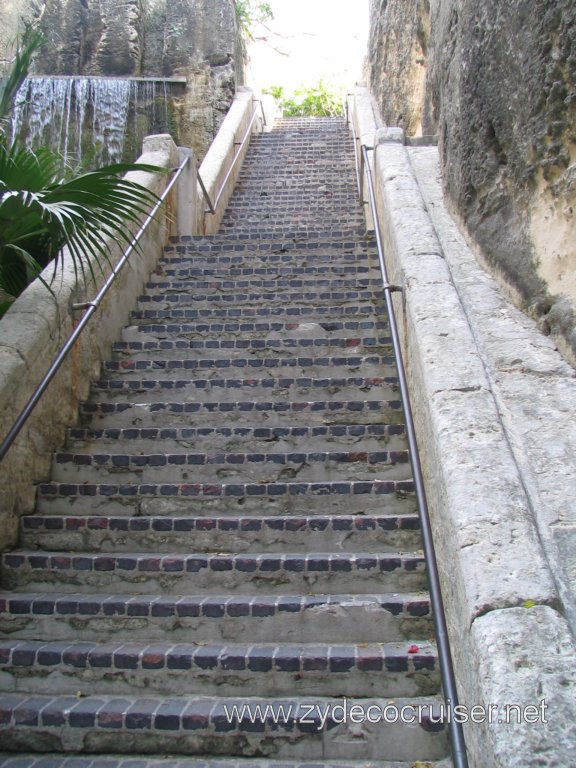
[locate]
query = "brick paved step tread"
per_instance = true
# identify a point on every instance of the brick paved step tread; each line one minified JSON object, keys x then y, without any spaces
{"x":224,"y":389}
{"x":163,"y":274}
{"x":277,"y":257}
{"x":115,"y":413}
{"x":207,"y":573}
{"x":334,"y":533}
{"x":283,"y":282}
{"x":340,"y":314}
{"x":305,"y":296}
{"x":188,"y":618}
{"x":230,"y":466}
{"x":49,"y":760}
{"x":363,"y":488}
{"x":409,"y":668}
{"x":169,"y":319}
{"x":193,"y":725}
{"x":179,"y":326}
{"x":168,"y":337}
{"x":173,"y":366}
{"x":228,"y":439}
{"x":258,"y":499}
{"x":269,"y":435}
{"x":130,"y":462}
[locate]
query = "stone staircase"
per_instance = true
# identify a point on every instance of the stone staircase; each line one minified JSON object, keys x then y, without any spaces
{"x":227,"y":554}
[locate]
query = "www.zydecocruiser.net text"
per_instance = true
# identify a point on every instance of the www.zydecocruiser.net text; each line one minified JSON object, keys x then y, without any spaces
{"x":347,"y":711}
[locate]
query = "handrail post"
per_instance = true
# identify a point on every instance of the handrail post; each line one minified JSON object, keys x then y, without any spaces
{"x":448,"y":677}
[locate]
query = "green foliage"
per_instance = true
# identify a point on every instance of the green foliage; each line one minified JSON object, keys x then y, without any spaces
{"x":252,"y":12}
{"x":45,"y":206}
{"x":315,"y":101}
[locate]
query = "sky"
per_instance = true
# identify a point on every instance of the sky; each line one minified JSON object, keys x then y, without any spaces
{"x":313,"y":40}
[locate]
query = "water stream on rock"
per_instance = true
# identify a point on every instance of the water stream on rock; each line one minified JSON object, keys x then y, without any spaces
{"x":89,"y":119}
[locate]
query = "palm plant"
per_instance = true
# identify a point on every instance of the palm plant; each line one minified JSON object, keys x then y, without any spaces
{"x":44,"y":207}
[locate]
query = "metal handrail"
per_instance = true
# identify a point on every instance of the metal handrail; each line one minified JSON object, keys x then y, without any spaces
{"x":91,"y":307}
{"x":459,"y":755}
{"x":212,"y":206}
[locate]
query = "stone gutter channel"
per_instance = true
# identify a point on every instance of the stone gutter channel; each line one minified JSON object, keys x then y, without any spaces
{"x":493,"y":402}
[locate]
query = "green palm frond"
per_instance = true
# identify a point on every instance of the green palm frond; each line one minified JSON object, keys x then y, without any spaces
{"x":45,"y":207}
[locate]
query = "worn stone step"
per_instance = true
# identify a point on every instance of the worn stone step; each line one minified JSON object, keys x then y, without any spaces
{"x":368,"y":437}
{"x":288,"y":243}
{"x":52,"y":760}
{"x":206,"y":573}
{"x":268,"y":255}
{"x":173,"y":618}
{"x":305,"y":728}
{"x":176,"y":367}
{"x":285,"y":498}
{"x":224,"y":390}
{"x":167,"y":340}
{"x":272,"y":297}
{"x":174,"y":288}
{"x":243,"y":412}
{"x":164,"y":273}
{"x":175,"y":323}
{"x":175,"y":669}
{"x":314,"y":323}
{"x":306,"y":466}
{"x":284,"y":314}
{"x":341,"y":533}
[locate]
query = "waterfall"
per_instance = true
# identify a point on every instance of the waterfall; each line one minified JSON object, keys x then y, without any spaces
{"x":86,"y":118}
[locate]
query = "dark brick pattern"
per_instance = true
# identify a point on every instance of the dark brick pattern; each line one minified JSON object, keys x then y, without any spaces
{"x":282,"y":314}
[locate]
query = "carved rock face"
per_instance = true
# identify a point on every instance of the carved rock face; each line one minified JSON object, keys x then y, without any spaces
{"x":500,"y":91}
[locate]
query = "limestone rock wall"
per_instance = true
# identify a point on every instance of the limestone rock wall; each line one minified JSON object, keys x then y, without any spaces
{"x":500,"y":92}
{"x":196,"y":39}
{"x":398,"y":51}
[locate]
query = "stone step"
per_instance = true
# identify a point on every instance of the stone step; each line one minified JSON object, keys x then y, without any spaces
{"x":164,"y":273}
{"x":174,"y":367}
{"x":166,"y":342}
{"x":222,"y":390}
{"x":133,"y":760}
{"x":241,"y":413}
{"x":306,"y":728}
{"x":267,"y":254}
{"x":213,"y":619}
{"x":245,"y":467}
{"x":209,"y":574}
{"x":368,"y":497}
{"x":177,"y":669}
{"x":370,"y":437}
{"x":173,"y":287}
{"x":343,"y":533}
{"x":323,"y":296}
{"x":286,"y":325}
{"x":287,"y":314}
{"x":265,"y":338}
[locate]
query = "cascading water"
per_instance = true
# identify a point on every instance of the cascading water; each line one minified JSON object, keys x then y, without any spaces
{"x":87,"y":118}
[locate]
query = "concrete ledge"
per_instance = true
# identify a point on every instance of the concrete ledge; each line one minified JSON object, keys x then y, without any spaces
{"x":34,"y":330}
{"x":490,"y":489}
{"x":220,"y":156}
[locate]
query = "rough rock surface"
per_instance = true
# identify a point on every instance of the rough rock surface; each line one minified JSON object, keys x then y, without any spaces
{"x":399,"y":38}
{"x":501,"y":94}
{"x":196,"y":39}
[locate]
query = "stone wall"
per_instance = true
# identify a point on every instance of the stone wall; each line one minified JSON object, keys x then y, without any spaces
{"x":500,"y":92}
{"x":196,"y":39}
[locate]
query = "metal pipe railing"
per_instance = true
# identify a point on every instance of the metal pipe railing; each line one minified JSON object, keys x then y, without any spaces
{"x":91,"y":307}
{"x":459,"y":755}
{"x":212,"y":206}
